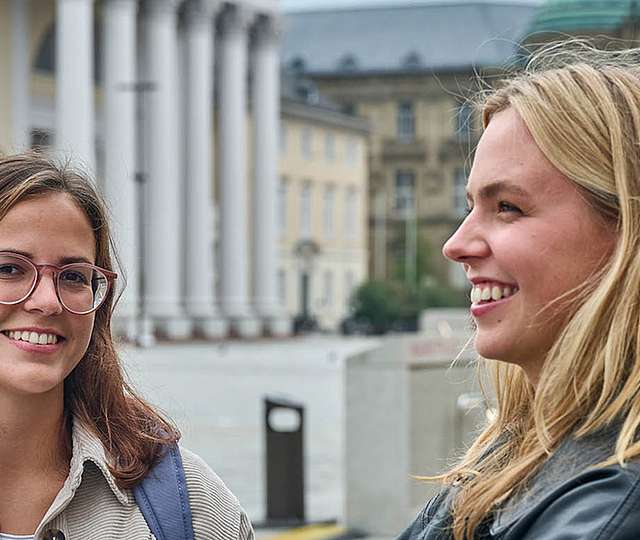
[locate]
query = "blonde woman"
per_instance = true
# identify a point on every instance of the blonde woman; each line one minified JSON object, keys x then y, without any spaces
{"x":551,"y":246}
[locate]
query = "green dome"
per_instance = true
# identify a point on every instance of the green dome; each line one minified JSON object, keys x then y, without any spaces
{"x":589,"y":15}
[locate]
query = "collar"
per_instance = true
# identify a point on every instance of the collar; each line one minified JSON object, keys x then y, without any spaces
{"x":572,"y":457}
{"x":87,"y":447}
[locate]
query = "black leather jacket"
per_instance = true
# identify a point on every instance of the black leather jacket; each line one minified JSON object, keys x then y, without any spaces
{"x":567,"y":499}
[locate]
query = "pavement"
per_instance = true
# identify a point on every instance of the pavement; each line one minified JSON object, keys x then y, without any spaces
{"x":214,"y":392}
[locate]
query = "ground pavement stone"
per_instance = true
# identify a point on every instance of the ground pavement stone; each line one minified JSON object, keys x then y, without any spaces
{"x":214,"y":393}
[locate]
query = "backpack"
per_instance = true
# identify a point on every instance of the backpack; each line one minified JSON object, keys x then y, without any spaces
{"x":163,"y":499}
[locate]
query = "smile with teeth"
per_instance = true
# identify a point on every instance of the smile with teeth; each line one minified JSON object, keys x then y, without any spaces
{"x":32,"y":337}
{"x":490,"y":292}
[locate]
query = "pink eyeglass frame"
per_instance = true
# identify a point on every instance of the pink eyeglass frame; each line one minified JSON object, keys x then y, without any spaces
{"x":57,"y":270}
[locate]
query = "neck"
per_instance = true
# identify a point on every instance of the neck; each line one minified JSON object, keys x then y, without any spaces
{"x":34,"y":435}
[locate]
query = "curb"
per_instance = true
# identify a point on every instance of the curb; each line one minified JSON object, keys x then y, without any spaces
{"x":317,"y":532}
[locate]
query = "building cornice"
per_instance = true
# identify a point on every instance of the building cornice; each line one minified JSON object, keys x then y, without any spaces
{"x":322,"y":115}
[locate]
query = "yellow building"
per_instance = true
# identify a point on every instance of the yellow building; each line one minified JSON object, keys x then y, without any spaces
{"x":409,"y":70}
{"x":39,"y":102}
{"x":322,"y":207}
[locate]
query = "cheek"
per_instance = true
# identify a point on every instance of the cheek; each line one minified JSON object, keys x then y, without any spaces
{"x":6,"y":311}
{"x":83,"y":330}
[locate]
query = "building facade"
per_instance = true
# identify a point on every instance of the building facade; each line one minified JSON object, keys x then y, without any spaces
{"x":126,"y":89}
{"x":322,"y":209}
{"x":410,"y":70}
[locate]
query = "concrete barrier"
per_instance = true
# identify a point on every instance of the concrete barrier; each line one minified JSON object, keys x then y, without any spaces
{"x":408,"y":413}
{"x":446,"y":323}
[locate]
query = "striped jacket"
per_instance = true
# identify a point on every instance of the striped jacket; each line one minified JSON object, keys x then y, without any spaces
{"x":90,"y":506}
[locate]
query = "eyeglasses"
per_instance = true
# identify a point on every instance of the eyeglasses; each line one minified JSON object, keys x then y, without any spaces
{"x":81,"y":287}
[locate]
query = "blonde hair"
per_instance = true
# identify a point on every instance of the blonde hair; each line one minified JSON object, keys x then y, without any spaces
{"x":582,"y":107}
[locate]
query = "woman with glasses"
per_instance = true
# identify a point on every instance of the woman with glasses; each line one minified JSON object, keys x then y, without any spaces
{"x":75,"y":439}
{"x":551,"y":248}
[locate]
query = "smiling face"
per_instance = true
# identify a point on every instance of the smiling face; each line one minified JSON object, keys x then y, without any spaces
{"x":48,"y":229}
{"x":530,"y":230}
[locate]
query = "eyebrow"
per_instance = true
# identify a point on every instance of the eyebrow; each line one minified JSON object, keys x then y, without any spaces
{"x":491,"y":190}
{"x":62,"y":261}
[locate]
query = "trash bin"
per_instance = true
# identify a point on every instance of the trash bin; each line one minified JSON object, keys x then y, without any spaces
{"x":284,"y":431}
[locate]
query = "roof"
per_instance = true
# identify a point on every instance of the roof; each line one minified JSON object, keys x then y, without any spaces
{"x":573,"y":15}
{"x":431,"y":37}
{"x":300,"y":98}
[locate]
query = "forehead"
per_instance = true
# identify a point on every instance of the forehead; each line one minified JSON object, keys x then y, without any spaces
{"x":50,"y":226}
{"x":508,"y":153}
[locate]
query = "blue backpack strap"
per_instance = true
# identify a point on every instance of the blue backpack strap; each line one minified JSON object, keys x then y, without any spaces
{"x":163,"y":498}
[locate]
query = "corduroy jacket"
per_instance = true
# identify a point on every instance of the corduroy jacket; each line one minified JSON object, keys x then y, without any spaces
{"x":90,"y":506}
{"x":567,"y":499}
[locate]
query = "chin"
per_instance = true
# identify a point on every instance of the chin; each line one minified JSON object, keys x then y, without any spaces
{"x":37,"y":387}
{"x":492,"y":348}
{"x":33,"y":380}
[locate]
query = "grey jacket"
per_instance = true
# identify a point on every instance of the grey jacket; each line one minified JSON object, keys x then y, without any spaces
{"x":566,"y":500}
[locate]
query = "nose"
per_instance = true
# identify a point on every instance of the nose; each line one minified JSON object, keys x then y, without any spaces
{"x":467,"y":243}
{"x":44,"y":297}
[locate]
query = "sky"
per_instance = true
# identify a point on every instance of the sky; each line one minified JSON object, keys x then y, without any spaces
{"x":302,"y":5}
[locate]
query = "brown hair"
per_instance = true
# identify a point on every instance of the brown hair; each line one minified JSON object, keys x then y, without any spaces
{"x":95,"y":392}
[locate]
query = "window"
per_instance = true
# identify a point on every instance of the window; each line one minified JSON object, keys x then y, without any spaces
{"x":412,"y":61}
{"x":41,"y":139}
{"x":329,"y":208}
{"x":352,"y":150}
{"x":406,"y":121}
{"x":349,"y":108}
{"x":283,"y":138}
{"x":329,"y":146}
{"x":305,"y":210}
{"x":282,"y":286}
{"x":405,"y":189}
{"x":459,"y":192}
{"x":464,"y":121}
{"x":351,"y":213}
{"x":306,"y":143}
{"x":348,"y":63}
{"x":349,"y":284}
{"x":328,"y":289}
{"x":283,"y":190}
{"x":308,"y":92}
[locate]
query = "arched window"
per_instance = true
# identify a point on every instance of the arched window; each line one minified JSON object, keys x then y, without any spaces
{"x":348,"y":63}
{"x":406,"y":122}
{"x":412,"y":61}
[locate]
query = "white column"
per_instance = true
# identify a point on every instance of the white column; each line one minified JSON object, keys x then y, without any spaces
{"x":200,"y":278}
{"x":266,"y":126}
{"x":75,"y":132}
{"x":232,"y":152}
{"x":119,"y":84}
{"x":20,"y":75}
{"x":163,"y":249}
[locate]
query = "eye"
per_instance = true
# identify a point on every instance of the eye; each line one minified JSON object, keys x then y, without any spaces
{"x":10,"y":270}
{"x":74,"y":277}
{"x":506,"y":207}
